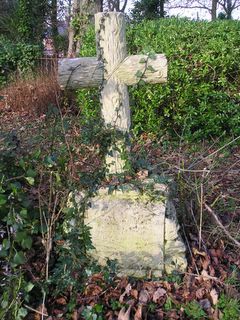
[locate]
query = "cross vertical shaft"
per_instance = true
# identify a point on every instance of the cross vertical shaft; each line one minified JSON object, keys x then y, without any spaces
{"x":112,"y":50}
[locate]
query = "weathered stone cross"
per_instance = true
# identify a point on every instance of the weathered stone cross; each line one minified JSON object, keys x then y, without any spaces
{"x":113,"y":70}
{"x":126,"y":224}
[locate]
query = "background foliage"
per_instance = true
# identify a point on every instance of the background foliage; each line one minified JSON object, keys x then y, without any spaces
{"x":201,"y":99}
{"x":19,"y":57}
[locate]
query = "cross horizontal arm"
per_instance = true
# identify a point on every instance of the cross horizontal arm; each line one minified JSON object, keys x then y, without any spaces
{"x":136,"y":67}
{"x":88,"y":72}
{"x":80,"y":73}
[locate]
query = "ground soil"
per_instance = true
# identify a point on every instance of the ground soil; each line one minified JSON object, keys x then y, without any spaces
{"x":208,"y":176}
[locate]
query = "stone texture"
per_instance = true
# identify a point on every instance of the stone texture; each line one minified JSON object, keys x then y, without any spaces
{"x":137,"y":228}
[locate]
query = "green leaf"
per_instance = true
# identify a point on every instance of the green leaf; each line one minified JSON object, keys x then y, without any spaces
{"x":30,"y":180}
{"x":49,"y":161}
{"x":4,"y":304}
{"x":6,"y":244}
{"x":31,"y":173}
{"x":22,"y":163}
{"x":27,"y":243}
{"x":58,"y":178}
{"x":20,"y":235}
{"x":3,"y":199}
{"x":19,"y":258}
{"x":150,"y":68}
{"x":24,"y":213}
{"x":3,"y":253}
{"x":152,"y":56}
{"x":22,"y":313}
{"x":143,"y":60}
{"x":29,"y":287}
{"x":139,"y":74}
{"x":141,"y":82}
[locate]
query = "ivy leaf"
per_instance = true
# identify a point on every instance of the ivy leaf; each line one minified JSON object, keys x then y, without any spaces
{"x":3,"y":199}
{"x":6,"y":244}
{"x":19,"y":258}
{"x":142,"y":60}
{"x":22,"y":313}
{"x":141,"y":82}
{"x":150,"y":68}
{"x":31,"y":173}
{"x":20,"y":235}
{"x":29,"y":286}
{"x":30,"y":180}
{"x":27,"y":243}
{"x":3,"y":253}
{"x":152,"y":56}
{"x":49,"y":161}
{"x":24,"y":213}
{"x":139,"y":74}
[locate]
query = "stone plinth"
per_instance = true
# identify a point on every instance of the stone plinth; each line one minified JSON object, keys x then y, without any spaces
{"x":138,"y":228}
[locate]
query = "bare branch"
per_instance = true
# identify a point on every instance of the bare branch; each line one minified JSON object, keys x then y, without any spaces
{"x":219,"y":223}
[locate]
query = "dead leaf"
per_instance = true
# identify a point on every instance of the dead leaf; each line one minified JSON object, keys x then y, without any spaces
{"x":61,"y":301}
{"x":206,"y":263}
{"x":93,"y":290}
{"x":41,"y":310}
{"x":172,"y":315}
{"x":142,"y":174}
{"x":126,"y":292}
{"x":205,"y":275}
{"x":134,"y":293}
{"x":196,"y":252}
{"x":75,"y":315}
{"x":216,"y":315}
{"x":200,"y":293}
{"x":159,"y":294}
{"x":138,"y":314}
{"x":124,"y":315}
{"x":144,"y":297}
{"x":206,"y":305}
{"x":214,"y":296}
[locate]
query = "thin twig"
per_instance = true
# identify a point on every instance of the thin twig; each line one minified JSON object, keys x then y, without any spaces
{"x":219,"y":223}
{"x":190,"y":251}
{"x":34,"y":310}
{"x":205,"y":276}
{"x":43,"y":304}
{"x":15,"y":178}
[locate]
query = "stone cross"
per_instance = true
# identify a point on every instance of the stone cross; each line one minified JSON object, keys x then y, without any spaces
{"x":138,"y":229}
{"x":113,"y":70}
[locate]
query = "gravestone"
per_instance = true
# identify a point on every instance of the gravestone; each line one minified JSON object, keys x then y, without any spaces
{"x":136,"y":223}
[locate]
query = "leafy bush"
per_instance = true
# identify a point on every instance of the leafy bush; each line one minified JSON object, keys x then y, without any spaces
{"x":38,"y":222}
{"x":201,"y":98}
{"x":19,"y":57}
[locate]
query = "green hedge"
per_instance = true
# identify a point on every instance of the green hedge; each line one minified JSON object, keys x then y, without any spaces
{"x":19,"y":57}
{"x":202,"y":97}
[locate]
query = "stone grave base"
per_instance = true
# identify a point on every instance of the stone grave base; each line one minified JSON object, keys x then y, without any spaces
{"x":137,"y":226}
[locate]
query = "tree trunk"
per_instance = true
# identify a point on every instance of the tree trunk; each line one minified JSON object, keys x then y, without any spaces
{"x":161,"y":7}
{"x":114,"y":5}
{"x":54,"y":25}
{"x":214,"y":10}
{"x":71,"y":32}
{"x":229,"y":9}
{"x":98,"y":6}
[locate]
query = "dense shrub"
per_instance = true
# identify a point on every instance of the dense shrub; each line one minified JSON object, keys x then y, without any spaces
{"x":19,"y":57}
{"x":201,"y":99}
